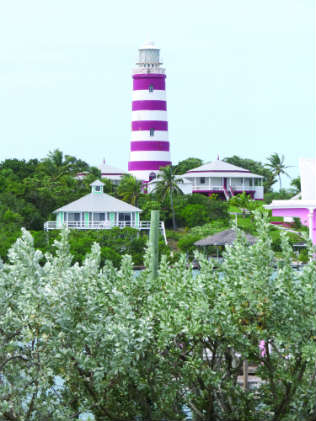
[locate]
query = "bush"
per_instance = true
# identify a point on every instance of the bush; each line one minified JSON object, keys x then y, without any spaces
{"x":194,"y":215}
{"x":303,"y":256}
{"x":185,"y":244}
{"x":129,"y":347}
{"x":108,"y":253}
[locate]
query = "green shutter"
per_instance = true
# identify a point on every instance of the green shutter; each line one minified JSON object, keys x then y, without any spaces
{"x":112,"y":218}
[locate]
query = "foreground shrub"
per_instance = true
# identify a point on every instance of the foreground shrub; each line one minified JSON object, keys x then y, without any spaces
{"x":84,"y":339}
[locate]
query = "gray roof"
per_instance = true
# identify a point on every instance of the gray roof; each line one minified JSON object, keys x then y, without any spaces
{"x":219,"y":169}
{"x":109,"y":170}
{"x":98,"y":202}
{"x":222,"y":238}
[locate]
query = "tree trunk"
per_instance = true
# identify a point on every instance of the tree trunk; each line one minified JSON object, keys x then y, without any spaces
{"x":172,"y":211}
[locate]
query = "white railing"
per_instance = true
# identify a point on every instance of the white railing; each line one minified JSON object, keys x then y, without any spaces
{"x":221,"y":188}
{"x":142,"y":225}
{"x":207,"y":187}
{"x":243,"y":188}
{"x":155,"y":69}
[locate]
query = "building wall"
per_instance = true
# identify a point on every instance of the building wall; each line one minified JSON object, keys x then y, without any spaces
{"x":308,"y":178}
{"x":303,"y":214}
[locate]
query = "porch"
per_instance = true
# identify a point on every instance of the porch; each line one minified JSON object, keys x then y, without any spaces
{"x":256,"y":192}
{"x":103,"y":225}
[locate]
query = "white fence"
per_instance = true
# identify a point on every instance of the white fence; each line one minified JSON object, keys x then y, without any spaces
{"x":258,"y":190}
{"x":80,"y":225}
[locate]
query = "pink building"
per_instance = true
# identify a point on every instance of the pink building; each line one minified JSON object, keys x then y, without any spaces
{"x":149,"y":149}
{"x":305,"y":206}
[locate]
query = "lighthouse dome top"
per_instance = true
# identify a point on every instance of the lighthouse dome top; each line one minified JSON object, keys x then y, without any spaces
{"x":149,"y":45}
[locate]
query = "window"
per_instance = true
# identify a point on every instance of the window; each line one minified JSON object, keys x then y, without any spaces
{"x":99,"y":216}
{"x":152,"y":132}
{"x":152,"y":176}
{"x":126,"y":217}
{"x":97,"y":188}
{"x":202,"y":180}
{"x":73,"y":216}
{"x":151,"y":88}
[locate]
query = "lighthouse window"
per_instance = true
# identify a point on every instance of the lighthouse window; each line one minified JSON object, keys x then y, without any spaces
{"x":151,"y":88}
{"x":152,"y":132}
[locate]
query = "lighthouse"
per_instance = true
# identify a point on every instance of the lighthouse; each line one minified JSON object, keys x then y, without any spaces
{"x":149,"y":149}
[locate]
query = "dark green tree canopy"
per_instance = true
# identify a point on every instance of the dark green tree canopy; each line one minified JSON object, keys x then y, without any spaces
{"x":187,"y":164}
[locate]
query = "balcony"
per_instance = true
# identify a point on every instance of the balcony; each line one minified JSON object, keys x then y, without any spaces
{"x":79,"y":225}
{"x":105,"y":225}
{"x":257,"y":191}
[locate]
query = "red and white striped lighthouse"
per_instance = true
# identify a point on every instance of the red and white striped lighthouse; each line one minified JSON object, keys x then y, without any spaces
{"x":149,"y":143}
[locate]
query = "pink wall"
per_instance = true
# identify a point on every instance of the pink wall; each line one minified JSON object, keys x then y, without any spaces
{"x":301,"y":213}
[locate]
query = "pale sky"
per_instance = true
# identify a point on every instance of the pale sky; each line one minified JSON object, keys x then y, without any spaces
{"x":240,"y":77}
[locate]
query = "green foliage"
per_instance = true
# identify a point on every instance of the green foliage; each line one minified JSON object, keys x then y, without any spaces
{"x":33,"y":189}
{"x":296,"y":183}
{"x":186,"y":243}
{"x":281,"y":195}
{"x":303,"y":256}
{"x":244,"y":202}
{"x":297,"y":224}
{"x":148,"y":202}
{"x":194,"y":215}
{"x":129,"y":189}
{"x":81,"y":339}
{"x":277,"y":166}
{"x":167,"y":187}
{"x":214,"y":209}
{"x":211,"y":228}
{"x":187,"y":164}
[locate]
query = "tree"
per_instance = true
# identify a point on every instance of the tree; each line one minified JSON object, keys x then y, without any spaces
{"x":245,"y":202}
{"x":276,"y":163}
{"x":56,"y":164}
{"x":255,"y":167}
{"x":167,"y":185}
{"x":187,"y":164}
{"x":129,"y":189}
{"x":296,"y":183}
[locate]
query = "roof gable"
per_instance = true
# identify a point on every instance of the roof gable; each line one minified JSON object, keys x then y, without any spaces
{"x":218,"y":166}
{"x":108,"y":170}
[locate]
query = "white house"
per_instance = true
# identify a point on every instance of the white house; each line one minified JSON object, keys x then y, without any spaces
{"x":221,"y":178}
{"x":112,"y":173}
{"x":97,"y":210}
{"x":225,"y":180}
{"x":107,"y":171}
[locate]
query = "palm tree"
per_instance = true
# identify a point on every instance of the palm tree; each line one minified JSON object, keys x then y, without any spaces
{"x":56,"y":164}
{"x":167,"y":185}
{"x":129,"y":189}
{"x":276,"y":164}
